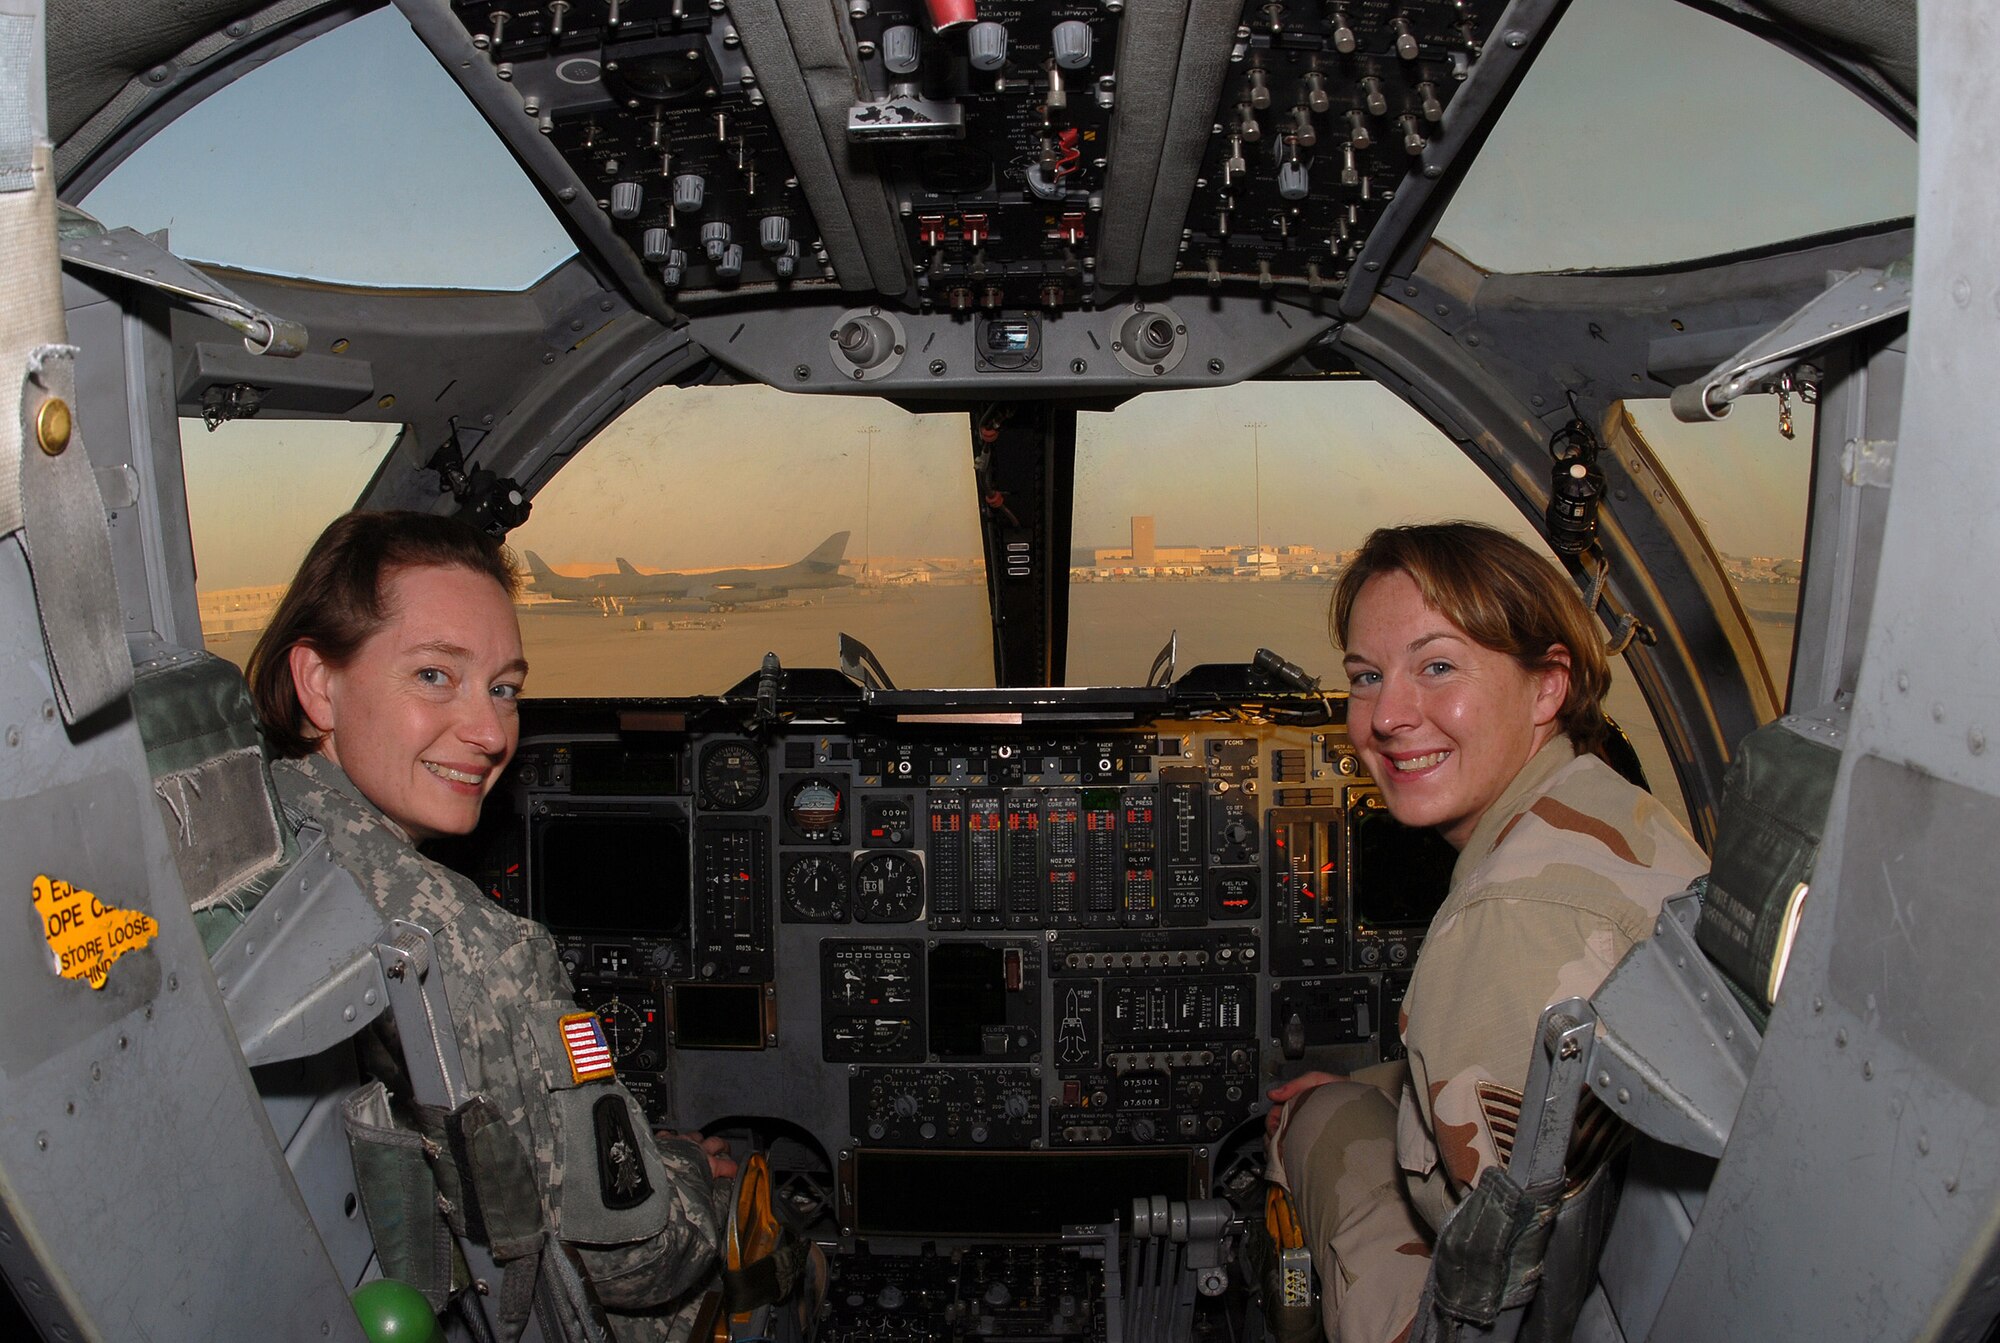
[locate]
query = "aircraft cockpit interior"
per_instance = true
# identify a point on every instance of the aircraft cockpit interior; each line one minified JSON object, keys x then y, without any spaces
{"x":928,"y":434}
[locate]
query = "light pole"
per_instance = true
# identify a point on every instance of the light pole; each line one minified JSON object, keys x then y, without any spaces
{"x":1257,"y":459}
{"x":868,"y":505}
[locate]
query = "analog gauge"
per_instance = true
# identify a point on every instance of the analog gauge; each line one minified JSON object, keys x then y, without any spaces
{"x":815,"y":889}
{"x":732,"y":776}
{"x":888,"y":888}
{"x":634,"y":1026}
{"x":813,"y":808}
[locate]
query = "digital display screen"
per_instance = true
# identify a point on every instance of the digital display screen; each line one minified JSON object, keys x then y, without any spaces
{"x":1014,"y":337}
{"x":612,"y":768}
{"x":968,"y":995}
{"x":1009,"y":1194}
{"x":613,"y":873}
{"x":718,"y":1016}
{"x":1400,"y":874}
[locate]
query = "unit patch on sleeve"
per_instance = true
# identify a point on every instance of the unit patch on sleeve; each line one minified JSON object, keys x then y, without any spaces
{"x":621,"y":1170}
{"x":589,"y":1052}
{"x":85,"y":935}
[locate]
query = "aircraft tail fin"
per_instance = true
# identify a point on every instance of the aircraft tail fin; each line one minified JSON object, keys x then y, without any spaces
{"x":537,"y":566}
{"x":625,"y":568}
{"x":828,"y":553}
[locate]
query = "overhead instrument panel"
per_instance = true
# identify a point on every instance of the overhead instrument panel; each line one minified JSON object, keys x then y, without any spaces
{"x":657,"y":109}
{"x":996,"y":134}
{"x":1326,"y":108}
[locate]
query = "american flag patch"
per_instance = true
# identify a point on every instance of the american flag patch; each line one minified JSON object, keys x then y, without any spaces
{"x":589,"y":1052}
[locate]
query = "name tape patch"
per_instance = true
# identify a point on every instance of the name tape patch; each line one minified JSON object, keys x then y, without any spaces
{"x":84,"y":934}
{"x":589,"y":1052}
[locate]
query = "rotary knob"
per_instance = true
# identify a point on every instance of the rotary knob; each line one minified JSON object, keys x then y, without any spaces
{"x":627,"y":198}
{"x":658,"y":245}
{"x":900,"y":51}
{"x":905,"y":1106}
{"x":986,"y":46}
{"x":689,"y":191}
{"x":715,"y":239}
{"x":1072,"y":44}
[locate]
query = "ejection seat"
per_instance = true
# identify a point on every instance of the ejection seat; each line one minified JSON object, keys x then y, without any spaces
{"x":304,"y":963}
{"x":1562,"y":1248}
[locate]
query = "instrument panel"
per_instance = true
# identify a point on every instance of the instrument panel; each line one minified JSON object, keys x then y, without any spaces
{"x":975,"y":939}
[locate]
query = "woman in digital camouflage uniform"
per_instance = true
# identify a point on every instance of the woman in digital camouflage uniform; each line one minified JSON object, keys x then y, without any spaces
{"x":387,"y":685}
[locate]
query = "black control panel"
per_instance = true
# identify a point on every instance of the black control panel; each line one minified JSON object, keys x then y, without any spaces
{"x":1006,"y":943}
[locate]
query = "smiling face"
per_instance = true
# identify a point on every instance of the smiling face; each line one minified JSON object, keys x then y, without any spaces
{"x":1442,"y":722}
{"x":424,"y":716}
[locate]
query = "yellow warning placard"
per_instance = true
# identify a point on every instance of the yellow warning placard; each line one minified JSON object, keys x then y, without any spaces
{"x":85,"y":934}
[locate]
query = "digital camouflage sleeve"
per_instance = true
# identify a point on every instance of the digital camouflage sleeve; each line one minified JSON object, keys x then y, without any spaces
{"x":1566,"y":870}
{"x":647,"y":1232}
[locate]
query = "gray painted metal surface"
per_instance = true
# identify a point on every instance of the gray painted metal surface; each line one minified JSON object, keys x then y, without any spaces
{"x":1861,"y":404}
{"x":1857,"y":1199}
{"x":125,"y":402}
{"x":127,"y":1119}
{"x":130,"y":255}
{"x":1852,"y":302}
{"x":1674,"y":1048}
{"x":301,"y":974}
{"x":1219,"y":341}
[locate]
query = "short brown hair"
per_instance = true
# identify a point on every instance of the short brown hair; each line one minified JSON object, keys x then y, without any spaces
{"x":1504,"y":595}
{"x":335,"y":603}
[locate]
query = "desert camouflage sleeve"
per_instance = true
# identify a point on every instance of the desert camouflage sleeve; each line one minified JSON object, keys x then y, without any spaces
{"x":1576,"y":873}
{"x":1490,"y":970}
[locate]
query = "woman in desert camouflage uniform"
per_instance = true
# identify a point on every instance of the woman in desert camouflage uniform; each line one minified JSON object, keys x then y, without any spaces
{"x":1477,"y":679}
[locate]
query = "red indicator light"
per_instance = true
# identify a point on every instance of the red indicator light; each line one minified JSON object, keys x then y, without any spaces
{"x":513,"y":869}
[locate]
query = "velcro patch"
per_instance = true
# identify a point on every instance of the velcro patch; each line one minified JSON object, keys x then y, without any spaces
{"x":589,"y":1052}
{"x":621,"y":1172}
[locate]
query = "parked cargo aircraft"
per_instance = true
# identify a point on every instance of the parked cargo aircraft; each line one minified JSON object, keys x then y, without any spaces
{"x":996,"y":970}
{"x":717,"y":589}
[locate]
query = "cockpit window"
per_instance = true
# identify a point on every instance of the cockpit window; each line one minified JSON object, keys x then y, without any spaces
{"x":709,"y":525}
{"x":258,"y":492}
{"x":1222,"y":516}
{"x":1650,"y":133}
{"x":1748,"y":484}
{"x":353,"y":159}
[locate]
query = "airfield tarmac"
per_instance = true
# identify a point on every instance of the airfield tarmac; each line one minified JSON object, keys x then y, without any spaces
{"x":935,"y":635}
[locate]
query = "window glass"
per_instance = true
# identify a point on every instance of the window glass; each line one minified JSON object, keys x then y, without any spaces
{"x":1224,"y":514}
{"x":258,"y":492}
{"x":1648,"y":133}
{"x":708,"y":525}
{"x":352,"y":158}
{"x":1749,"y":486}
